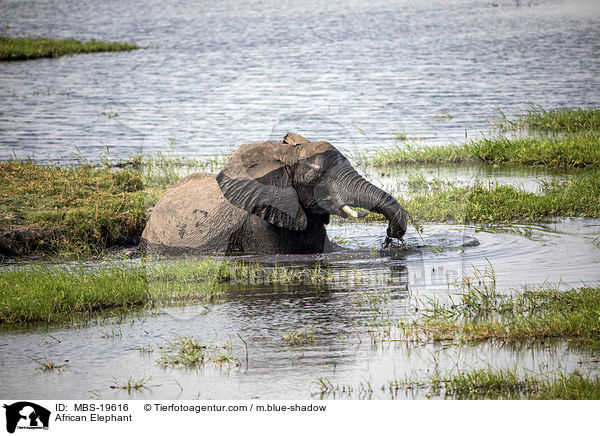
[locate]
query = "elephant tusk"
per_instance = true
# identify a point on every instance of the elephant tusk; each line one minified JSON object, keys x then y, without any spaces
{"x":349,"y":211}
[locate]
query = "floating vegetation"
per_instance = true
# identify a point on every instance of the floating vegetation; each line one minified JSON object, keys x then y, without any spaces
{"x":132,"y":385}
{"x":19,"y":49}
{"x":483,"y":314}
{"x":302,"y":336}
{"x":191,"y":352}
{"x":49,"y":365}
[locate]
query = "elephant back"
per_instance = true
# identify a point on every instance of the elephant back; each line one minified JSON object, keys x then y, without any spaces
{"x":192,"y":216}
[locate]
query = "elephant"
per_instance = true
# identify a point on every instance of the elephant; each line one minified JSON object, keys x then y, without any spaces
{"x":269,"y":198}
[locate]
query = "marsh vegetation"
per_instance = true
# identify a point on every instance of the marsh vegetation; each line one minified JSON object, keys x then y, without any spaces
{"x":20,"y":49}
{"x":86,"y":212}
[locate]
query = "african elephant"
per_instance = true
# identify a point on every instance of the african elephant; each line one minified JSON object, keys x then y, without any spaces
{"x":269,"y":198}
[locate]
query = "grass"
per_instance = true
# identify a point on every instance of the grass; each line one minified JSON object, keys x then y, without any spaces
{"x":19,"y":49}
{"x":45,"y":293}
{"x":577,"y":196}
{"x":476,"y":384}
{"x":84,"y":207}
{"x":76,"y":209}
{"x":131,"y":385}
{"x":503,"y":384}
{"x":190,"y":352}
{"x":50,"y":294}
{"x":483,"y":314}
{"x":555,"y":120}
{"x":49,"y":365}
{"x":578,"y":150}
{"x":302,"y":336}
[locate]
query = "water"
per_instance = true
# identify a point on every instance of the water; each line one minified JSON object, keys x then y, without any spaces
{"x":215,"y":75}
{"x":103,"y":352}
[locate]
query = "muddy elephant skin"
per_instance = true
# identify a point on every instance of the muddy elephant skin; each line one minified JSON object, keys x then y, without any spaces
{"x":271,"y":197}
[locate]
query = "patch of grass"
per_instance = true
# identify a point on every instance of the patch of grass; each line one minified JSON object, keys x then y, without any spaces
{"x":85,"y":208}
{"x":50,"y":294}
{"x":49,"y":365}
{"x":417,"y":154}
{"x":76,"y":209}
{"x":482,"y":313}
{"x":504,"y":384}
{"x":492,"y":202}
{"x":302,"y":336}
{"x":556,"y":120}
{"x":131,"y":385}
{"x":46,"y":293}
{"x":572,"y":151}
{"x":363,"y":391}
{"x":19,"y":49}
{"x":190,"y":352}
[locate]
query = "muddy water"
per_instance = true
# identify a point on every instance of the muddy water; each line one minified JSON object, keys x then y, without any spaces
{"x":215,"y":75}
{"x":346,"y":350}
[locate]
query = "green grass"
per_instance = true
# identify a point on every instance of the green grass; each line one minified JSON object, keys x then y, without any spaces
{"x":577,"y":195}
{"x":482,"y":313}
{"x":555,"y":120}
{"x":302,"y":336}
{"x":49,"y":365}
{"x":191,"y":352}
{"x":133,"y":385}
{"x":503,"y":384}
{"x":572,"y":151}
{"x":85,"y":207}
{"x":51,"y":294}
{"x":19,"y":49}
{"x":76,"y":209}
{"x":45,"y":293}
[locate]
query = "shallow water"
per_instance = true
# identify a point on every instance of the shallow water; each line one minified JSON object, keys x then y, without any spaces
{"x":215,"y":75}
{"x":396,"y":179}
{"x":346,"y":350}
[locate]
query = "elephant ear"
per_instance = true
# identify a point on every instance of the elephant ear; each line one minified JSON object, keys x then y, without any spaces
{"x":256,"y":179}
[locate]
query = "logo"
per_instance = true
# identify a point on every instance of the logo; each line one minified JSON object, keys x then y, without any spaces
{"x":26,"y":415}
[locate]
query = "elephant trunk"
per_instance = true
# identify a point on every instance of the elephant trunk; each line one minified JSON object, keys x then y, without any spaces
{"x":354,"y":190}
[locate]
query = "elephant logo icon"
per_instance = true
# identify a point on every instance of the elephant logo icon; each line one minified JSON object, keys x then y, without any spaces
{"x":26,"y":415}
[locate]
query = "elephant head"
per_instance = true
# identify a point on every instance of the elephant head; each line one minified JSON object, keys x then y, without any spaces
{"x":295,"y":181}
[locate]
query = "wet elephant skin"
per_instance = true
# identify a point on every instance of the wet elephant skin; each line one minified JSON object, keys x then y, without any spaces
{"x":270,"y":197}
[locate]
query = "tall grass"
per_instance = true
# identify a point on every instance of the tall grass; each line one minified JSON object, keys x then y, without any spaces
{"x":556,"y":120}
{"x":503,"y":384}
{"x":572,"y":151}
{"x":18,"y":49}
